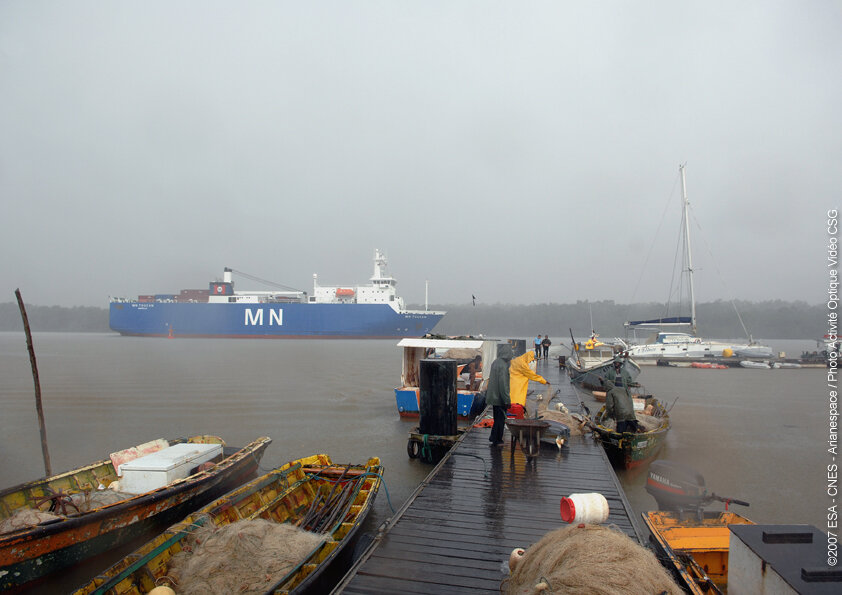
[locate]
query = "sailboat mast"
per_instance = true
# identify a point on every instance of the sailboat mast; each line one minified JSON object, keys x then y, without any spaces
{"x":686,"y":207}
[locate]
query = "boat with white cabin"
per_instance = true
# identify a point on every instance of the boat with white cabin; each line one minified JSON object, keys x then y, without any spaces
{"x":408,"y":394}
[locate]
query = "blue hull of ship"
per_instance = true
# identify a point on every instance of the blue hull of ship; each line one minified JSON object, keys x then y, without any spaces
{"x":282,"y":321}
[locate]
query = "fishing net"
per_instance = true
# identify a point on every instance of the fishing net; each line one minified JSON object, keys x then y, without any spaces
{"x":567,"y":419}
{"x":647,"y":422}
{"x":577,"y":427}
{"x":91,"y":500}
{"x":25,"y":517}
{"x":242,"y":557}
{"x":588,"y":559}
{"x":72,"y":504}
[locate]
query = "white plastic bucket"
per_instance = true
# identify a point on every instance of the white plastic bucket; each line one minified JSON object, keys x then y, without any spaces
{"x":584,"y":508}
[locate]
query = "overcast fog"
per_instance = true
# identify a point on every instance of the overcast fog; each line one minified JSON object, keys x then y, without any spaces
{"x":521,"y":152}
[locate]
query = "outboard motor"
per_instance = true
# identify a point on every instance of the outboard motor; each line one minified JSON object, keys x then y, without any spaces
{"x":680,"y":488}
{"x":675,"y":486}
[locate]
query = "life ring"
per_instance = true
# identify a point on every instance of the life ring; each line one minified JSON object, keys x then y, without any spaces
{"x":219,"y":289}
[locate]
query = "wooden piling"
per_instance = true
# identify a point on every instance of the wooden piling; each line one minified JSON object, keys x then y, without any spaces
{"x":437,"y":395}
{"x":47,"y":467}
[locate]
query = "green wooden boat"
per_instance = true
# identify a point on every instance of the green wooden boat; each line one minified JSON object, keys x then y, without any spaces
{"x":629,"y":450}
{"x":311,"y":493}
{"x":36,"y":542}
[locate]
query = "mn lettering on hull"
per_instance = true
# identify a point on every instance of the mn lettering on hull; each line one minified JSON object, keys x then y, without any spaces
{"x":255,"y":317}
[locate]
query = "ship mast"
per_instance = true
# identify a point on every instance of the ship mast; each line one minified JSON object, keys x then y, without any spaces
{"x":686,"y":216}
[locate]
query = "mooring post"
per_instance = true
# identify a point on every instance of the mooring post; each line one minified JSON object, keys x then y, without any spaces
{"x":47,"y":467}
{"x":437,"y":395}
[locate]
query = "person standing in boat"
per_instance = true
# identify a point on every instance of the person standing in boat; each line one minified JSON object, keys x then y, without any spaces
{"x":618,"y":374}
{"x":619,"y":406}
{"x":497,"y":394}
{"x":545,"y":344}
{"x":537,"y":343}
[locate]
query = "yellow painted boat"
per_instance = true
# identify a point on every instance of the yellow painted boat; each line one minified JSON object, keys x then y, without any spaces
{"x":695,"y":546}
{"x":312,"y":493}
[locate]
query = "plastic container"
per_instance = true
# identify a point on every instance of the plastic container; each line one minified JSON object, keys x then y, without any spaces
{"x":163,"y":467}
{"x":584,"y":508}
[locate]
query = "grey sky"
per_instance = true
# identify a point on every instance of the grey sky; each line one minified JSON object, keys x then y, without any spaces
{"x":522,"y":152}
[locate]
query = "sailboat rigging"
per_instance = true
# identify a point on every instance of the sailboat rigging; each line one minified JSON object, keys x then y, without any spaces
{"x":687,"y":345}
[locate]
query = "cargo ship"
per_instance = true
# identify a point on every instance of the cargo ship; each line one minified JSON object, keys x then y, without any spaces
{"x":372,"y":311}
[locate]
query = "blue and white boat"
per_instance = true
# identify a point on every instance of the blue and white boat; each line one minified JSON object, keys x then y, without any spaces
{"x":372,"y":311}
{"x":408,"y":394}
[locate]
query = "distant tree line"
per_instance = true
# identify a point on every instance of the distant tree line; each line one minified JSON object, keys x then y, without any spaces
{"x":79,"y":319}
{"x":774,"y":319}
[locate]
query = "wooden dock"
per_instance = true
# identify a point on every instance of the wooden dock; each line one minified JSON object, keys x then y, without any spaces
{"x":454,"y":534}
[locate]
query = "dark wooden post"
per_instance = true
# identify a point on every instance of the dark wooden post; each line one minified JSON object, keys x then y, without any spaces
{"x":47,"y":467}
{"x":438,"y":397}
{"x":518,"y":346}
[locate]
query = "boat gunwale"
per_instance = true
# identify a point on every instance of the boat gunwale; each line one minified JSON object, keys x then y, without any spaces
{"x":143,"y":500}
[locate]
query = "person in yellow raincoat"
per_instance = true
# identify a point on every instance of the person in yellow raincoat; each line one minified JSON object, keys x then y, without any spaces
{"x":519,"y":376}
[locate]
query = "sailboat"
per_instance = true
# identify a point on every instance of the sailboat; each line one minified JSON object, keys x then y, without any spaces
{"x":686,"y":345}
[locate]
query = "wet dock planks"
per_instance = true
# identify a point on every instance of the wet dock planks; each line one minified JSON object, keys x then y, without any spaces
{"x":455,"y":533}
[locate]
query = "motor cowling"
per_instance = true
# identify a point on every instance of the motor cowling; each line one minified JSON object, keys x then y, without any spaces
{"x":676,"y":487}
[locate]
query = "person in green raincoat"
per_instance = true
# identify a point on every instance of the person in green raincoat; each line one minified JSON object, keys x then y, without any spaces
{"x":620,"y":407}
{"x":618,"y":374}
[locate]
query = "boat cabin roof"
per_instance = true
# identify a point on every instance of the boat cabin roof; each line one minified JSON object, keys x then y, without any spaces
{"x":443,"y":343}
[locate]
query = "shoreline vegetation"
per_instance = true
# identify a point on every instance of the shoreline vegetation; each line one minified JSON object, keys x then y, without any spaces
{"x":773,"y":319}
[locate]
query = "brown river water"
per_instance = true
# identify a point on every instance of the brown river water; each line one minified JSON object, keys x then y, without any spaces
{"x":755,"y":435}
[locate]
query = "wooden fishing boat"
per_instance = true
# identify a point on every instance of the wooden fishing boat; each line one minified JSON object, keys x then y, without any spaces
{"x":85,"y":518}
{"x":629,"y":450}
{"x":311,"y":493}
{"x":590,"y":366}
{"x":695,"y":547}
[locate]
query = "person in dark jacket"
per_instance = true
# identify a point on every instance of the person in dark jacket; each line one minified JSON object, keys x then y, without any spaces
{"x":620,"y":407}
{"x":497,"y":394}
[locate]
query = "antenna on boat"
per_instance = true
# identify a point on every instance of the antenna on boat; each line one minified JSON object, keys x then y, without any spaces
{"x":426,"y":294}
{"x":685,"y":208}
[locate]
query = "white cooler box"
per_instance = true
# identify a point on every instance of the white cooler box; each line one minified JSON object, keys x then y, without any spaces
{"x":160,"y":468}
